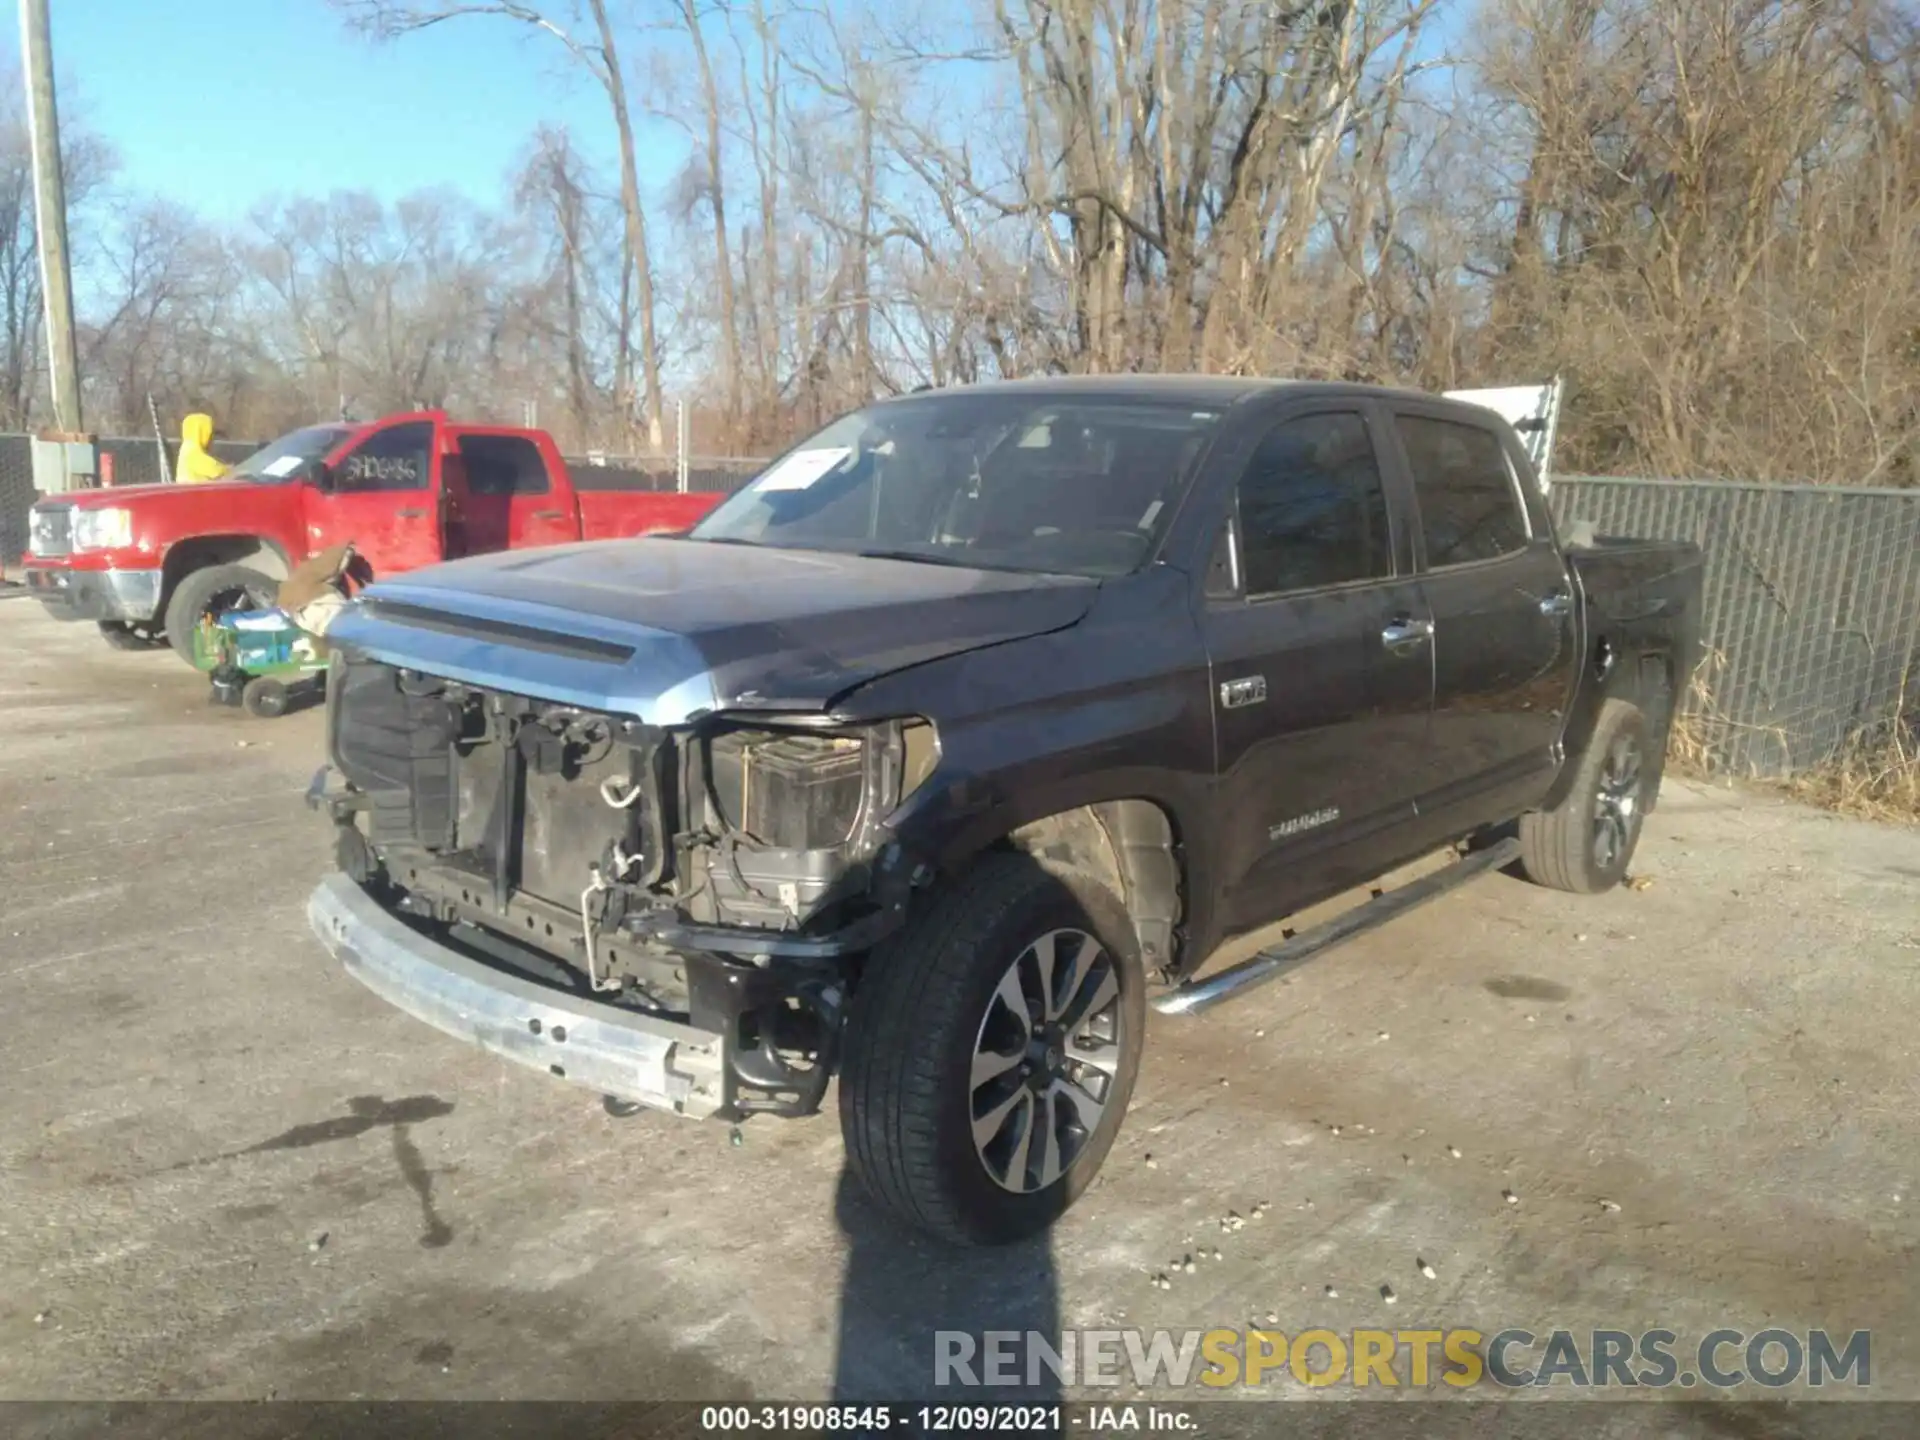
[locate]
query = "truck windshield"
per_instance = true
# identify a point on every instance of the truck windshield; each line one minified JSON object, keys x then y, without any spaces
{"x":287,"y":457}
{"x":1058,"y":485}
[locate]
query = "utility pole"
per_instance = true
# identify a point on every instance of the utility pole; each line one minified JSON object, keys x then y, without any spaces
{"x":50,"y":214}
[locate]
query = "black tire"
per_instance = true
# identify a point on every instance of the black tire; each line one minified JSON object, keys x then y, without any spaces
{"x":1585,"y":843}
{"x":122,"y":636}
{"x":212,"y":591}
{"x":264,"y":697}
{"x":930,"y":995}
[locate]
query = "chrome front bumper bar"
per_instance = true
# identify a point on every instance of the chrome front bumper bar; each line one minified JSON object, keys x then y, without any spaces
{"x":657,"y":1063}
{"x":68,"y":594}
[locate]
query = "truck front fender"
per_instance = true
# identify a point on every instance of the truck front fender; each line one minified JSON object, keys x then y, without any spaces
{"x":196,"y":552}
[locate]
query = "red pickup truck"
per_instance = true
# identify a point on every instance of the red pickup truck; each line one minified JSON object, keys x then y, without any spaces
{"x":149,"y":560}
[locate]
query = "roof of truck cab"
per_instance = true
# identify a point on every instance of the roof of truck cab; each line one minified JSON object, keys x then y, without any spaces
{"x":1173,"y":389}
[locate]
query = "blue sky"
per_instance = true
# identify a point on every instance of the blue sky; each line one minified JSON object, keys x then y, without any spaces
{"x":251,"y":98}
{"x":254,"y":98}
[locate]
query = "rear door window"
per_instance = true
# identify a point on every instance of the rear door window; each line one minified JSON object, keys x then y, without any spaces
{"x":503,"y":465}
{"x":1469,"y":505}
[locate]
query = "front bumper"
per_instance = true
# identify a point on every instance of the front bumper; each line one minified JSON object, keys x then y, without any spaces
{"x":70,"y":594}
{"x":657,"y":1063}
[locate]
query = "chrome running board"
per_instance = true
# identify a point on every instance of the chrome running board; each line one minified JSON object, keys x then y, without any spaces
{"x":1290,"y":954}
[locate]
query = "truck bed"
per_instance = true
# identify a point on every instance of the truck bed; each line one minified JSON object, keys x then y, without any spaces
{"x":1634,"y":585}
{"x":621,"y":514}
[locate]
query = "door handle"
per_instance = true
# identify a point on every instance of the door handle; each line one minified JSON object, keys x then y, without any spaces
{"x":1404,"y":636}
{"x":411,"y":514}
{"x":1556,"y":604}
{"x":548,"y":515}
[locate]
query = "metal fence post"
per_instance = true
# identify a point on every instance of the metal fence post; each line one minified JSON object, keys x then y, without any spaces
{"x":159,"y":439}
{"x":680,"y":446}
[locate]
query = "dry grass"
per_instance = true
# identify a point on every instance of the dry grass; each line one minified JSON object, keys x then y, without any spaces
{"x":1697,"y":723}
{"x":1875,"y":775}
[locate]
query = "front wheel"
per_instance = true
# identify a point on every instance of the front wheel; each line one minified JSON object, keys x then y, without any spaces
{"x":210,"y":592}
{"x":991,"y":1052}
{"x":1584,"y":843}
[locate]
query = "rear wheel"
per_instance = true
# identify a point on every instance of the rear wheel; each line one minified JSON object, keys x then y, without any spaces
{"x":991,"y":1052}
{"x":265,"y":697}
{"x":203,"y":594}
{"x":1585,"y":843}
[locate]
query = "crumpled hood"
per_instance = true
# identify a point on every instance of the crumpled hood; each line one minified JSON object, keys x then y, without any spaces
{"x":668,"y":629}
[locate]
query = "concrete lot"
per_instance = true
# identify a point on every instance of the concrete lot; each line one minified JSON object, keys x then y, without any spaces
{"x":227,"y":1171}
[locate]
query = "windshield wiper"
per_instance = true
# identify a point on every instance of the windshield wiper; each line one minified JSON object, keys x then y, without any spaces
{"x":923,"y":558}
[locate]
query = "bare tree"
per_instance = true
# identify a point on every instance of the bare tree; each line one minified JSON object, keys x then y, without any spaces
{"x":600,"y":56}
{"x":553,"y":191}
{"x":1714,"y":229}
{"x":716,"y":194}
{"x":1704,"y":214}
{"x":87,"y":163}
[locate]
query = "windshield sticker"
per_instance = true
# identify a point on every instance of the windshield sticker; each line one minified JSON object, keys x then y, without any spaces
{"x":802,"y":468}
{"x":285,"y":465}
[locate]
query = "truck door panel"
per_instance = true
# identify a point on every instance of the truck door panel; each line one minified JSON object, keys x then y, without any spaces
{"x":512,"y":501}
{"x":383,"y":498}
{"x":1320,"y":726}
{"x":1504,"y":651}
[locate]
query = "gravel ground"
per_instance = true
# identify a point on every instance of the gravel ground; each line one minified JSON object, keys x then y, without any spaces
{"x":227,"y":1171}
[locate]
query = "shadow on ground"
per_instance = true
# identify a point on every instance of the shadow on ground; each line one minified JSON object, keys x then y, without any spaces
{"x":901,"y":1289}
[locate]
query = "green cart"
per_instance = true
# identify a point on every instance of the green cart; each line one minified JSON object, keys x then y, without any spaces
{"x":260,"y":660}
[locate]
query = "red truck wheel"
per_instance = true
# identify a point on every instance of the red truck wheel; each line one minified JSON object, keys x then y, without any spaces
{"x":214,"y":591}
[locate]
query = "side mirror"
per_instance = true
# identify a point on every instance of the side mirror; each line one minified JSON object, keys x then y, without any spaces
{"x":319,"y":475}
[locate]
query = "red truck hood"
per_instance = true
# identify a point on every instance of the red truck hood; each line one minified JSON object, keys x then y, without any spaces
{"x":123,"y":494}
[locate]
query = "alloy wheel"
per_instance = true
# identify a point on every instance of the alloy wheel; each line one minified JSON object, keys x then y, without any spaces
{"x":1046,"y":1060}
{"x":1616,"y":809}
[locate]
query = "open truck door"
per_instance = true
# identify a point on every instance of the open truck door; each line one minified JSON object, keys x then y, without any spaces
{"x":1532,"y":410}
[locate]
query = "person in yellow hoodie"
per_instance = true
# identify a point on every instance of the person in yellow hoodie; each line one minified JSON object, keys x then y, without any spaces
{"x":195,"y":465}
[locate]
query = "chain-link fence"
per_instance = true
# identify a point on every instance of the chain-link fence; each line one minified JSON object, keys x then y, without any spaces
{"x":1810,"y":612}
{"x":16,"y":497}
{"x":722,"y":473}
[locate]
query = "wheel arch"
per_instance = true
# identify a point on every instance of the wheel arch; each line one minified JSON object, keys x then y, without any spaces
{"x":1131,"y":846}
{"x":197,"y":552}
{"x":1621,"y":666}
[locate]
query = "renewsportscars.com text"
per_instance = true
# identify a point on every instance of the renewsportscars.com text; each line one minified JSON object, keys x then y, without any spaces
{"x":1511,"y":1358}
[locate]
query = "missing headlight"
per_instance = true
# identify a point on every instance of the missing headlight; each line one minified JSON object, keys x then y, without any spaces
{"x":793,"y":792}
{"x":801,"y":790}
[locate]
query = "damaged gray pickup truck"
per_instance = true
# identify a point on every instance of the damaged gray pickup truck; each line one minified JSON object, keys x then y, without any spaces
{"x":965,"y":733}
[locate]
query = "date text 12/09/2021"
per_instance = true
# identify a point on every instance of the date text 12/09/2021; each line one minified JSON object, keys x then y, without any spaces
{"x":1092,"y":1419}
